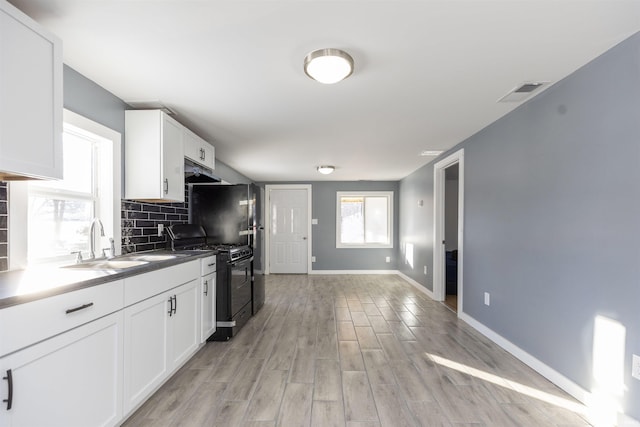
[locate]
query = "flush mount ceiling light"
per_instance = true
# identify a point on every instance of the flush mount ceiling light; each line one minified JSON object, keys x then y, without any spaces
{"x":326,"y":170}
{"x":431,"y":153}
{"x":328,"y":66}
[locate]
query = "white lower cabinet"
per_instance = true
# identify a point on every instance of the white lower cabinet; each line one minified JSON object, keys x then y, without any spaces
{"x":160,"y":333}
{"x":72,"y":379}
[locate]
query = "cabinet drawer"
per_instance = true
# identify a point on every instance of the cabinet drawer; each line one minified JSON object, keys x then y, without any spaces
{"x":208,"y":265}
{"x":29,"y":323}
{"x":146,"y":285}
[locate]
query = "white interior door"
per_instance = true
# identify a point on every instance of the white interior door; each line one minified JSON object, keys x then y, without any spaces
{"x":288,"y":230}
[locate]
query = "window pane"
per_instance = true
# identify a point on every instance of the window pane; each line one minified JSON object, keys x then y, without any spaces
{"x":376,"y":220}
{"x":352,"y":220}
{"x":77,"y":163}
{"x":58,"y":227}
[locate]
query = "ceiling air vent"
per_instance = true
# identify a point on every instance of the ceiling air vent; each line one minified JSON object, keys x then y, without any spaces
{"x":522,"y":91}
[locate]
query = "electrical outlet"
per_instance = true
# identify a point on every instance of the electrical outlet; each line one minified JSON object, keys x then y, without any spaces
{"x":160,"y":229}
{"x":388,"y":259}
{"x":635,"y":367}
{"x":487,"y":298}
{"x":313,"y":259}
{"x":425,"y":270}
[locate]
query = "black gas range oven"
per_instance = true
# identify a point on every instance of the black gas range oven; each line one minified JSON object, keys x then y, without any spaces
{"x":234,"y":274}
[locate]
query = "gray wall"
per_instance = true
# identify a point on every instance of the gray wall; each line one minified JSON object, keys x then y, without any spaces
{"x":323,"y":206}
{"x":552,"y":218}
{"x":416,"y":226}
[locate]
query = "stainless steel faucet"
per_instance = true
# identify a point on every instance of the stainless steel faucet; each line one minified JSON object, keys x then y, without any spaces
{"x":92,"y":236}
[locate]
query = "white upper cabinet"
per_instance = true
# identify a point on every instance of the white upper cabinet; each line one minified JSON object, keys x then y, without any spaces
{"x":198,"y":150}
{"x":30,"y":98}
{"x":154,"y":157}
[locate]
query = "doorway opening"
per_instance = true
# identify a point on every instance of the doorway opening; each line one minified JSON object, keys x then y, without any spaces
{"x":451,"y":236}
{"x":448,"y":230}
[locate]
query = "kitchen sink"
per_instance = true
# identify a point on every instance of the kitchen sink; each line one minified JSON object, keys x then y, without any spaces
{"x":108,"y":264}
{"x":149,"y":258}
{"x":124,"y":261}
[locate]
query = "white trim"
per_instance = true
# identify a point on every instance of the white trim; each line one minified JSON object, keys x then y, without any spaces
{"x":267,"y":220}
{"x":416,"y":285}
{"x":332,"y":272}
{"x":364,"y":194}
{"x":438,"y":225}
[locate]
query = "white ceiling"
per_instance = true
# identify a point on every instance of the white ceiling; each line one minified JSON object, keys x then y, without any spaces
{"x":428,"y":73}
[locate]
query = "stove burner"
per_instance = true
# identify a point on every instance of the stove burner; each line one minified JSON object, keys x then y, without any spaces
{"x":193,"y":237}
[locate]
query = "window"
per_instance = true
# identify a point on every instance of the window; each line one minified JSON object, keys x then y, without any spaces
{"x":364,"y":219}
{"x":59,"y":213}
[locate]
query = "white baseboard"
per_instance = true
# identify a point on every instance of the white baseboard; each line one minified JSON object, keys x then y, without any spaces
{"x":546,"y":371}
{"x":353,"y":272}
{"x":416,"y":285}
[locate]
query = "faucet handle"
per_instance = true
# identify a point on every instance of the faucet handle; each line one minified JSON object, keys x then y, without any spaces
{"x":78,"y":256}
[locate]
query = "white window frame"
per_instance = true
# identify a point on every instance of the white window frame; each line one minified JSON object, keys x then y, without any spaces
{"x":19,"y":193}
{"x":365,"y":194}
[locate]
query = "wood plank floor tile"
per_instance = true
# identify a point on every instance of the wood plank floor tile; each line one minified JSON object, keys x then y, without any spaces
{"x":346,"y":332}
{"x":359,"y":318}
{"x":266,"y":400}
{"x":327,"y":414}
{"x":230,"y":414}
{"x":327,"y":347}
{"x":350,"y":356}
{"x":366,"y":337}
{"x":358,"y":400}
{"x":296,"y":405}
{"x":378,"y":367}
{"x":244,"y":383}
{"x":379,"y":325}
{"x":392,"y":410}
{"x":328,"y":380}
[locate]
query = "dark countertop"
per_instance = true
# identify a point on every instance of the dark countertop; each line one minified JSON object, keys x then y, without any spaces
{"x":21,"y":286}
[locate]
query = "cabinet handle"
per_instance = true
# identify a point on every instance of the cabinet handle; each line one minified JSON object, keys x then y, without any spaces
{"x":166,"y":186}
{"x":9,"y":399}
{"x":170,"y":306}
{"x":211,"y":265}
{"x":202,"y":154}
{"x":81,"y":307}
{"x":206,"y":288}
{"x":175,"y":304}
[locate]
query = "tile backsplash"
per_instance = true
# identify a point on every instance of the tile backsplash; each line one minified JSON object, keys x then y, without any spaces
{"x":4,"y":220}
{"x":140,"y":223}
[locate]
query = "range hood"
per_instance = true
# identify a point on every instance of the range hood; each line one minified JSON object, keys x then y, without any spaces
{"x":196,"y":173}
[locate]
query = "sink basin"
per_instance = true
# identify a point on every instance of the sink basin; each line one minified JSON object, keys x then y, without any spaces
{"x":108,"y":264}
{"x":149,"y":258}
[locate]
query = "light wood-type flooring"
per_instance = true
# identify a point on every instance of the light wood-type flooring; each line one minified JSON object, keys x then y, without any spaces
{"x":357,"y":351}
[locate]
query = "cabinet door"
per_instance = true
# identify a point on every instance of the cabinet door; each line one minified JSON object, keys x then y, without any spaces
{"x":172,"y":159}
{"x":191,"y":146}
{"x":73,"y":379}
{"x":208,"y":155}
{"x":145,"y":343}
{"x":208,"y":306}
{"x":184,"y":323}
{"x":30,"y":97}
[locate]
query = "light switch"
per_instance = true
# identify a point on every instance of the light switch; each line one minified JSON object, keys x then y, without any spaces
{"x":314,"y":221}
